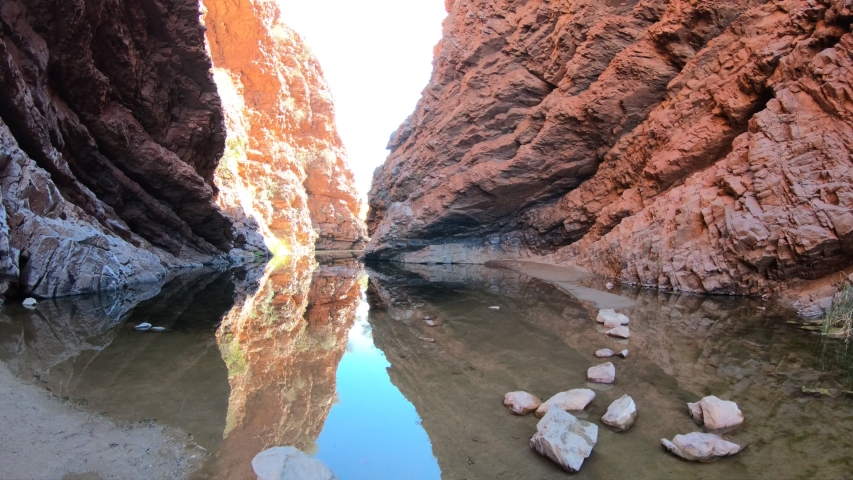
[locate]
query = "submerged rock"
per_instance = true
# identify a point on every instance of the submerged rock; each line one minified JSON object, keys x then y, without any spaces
{"x":700,"y":447}
{"x":289,"y":463}
{"x":29,"y":303}
{"x":573,"y":400}
{"x":621,"y":332}
{"x":521,"y":403}
{"x":564,"y":439}
{"x":608,"y":315}
{"x":604,"y":373}
{"x":621,"y":414}
{"x":719,"y":414}
{"x":604,"y":353}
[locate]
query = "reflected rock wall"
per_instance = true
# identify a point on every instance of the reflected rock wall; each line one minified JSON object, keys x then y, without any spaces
{"x":541,"y":340}
{"x":282,"y":345}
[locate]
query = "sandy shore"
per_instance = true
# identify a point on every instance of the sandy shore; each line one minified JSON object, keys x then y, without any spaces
{"x":43,"y":437}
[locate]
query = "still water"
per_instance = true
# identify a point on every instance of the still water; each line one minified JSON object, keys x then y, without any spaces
{"x":333,"y":357}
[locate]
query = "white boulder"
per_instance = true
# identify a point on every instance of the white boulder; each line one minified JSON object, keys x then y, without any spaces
{"x":289,"y":463}
{"x":719,"y":414}
{"x":564,"y":439}
{"x":621,"y":414}
{"x":521,"y":403}
{"x":608,"y":315}
{"x":29,"y":302}
{"x":573,"y":400}
{"x":604,"y":373}
{"x":700,"y":447}
{"x":620,"y":332}
{"x":604,"y":353}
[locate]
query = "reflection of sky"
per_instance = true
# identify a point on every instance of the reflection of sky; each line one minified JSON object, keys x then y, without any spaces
{"x":373,"y":432}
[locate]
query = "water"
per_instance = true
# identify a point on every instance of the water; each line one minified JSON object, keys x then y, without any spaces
{"x":330,"y":357}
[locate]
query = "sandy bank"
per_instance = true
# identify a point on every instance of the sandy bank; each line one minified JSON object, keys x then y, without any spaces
{"x":43,"y":437}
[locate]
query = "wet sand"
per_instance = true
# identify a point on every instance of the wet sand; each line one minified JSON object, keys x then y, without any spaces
{"x":46,"y":437}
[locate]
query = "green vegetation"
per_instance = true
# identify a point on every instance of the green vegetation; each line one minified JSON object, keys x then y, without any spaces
{"x":235,"y":152}
{"x":839,"y":319}
{"x":234,"y":359}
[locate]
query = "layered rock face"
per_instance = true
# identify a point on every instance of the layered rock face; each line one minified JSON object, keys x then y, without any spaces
{"x":698,"y":146}
{"x":285,"y":165}
{"x":111,"y":128}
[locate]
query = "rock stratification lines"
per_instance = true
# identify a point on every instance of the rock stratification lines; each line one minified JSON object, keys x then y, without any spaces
{"x":697,"y":146}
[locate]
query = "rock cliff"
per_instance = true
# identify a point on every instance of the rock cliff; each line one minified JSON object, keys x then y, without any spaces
{"x":112,"y":130}
{"x":694,"y":145}
{"x":284,"y":165}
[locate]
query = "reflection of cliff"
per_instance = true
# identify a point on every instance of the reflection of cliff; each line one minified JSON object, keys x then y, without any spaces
{"x":541,"y":340}
{"x":282,"y":346}
{"x":85,"y":348}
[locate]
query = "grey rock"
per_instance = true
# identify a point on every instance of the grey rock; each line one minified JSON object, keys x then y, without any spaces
{"x":289,"y":463}
{"x":564,"y":439}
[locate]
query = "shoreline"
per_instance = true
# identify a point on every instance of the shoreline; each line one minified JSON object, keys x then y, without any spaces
{"x":46,"y":437}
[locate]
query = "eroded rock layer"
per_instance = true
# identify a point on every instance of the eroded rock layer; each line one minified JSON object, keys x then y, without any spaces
{"x":111,"y":128}
{"x":284,"y":165}
{"x":694,"y":145}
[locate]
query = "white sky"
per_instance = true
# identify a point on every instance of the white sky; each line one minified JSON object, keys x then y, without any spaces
{"x":377,"y":57}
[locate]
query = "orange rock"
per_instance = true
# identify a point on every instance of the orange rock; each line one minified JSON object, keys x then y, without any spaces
{"x":284,"y":164}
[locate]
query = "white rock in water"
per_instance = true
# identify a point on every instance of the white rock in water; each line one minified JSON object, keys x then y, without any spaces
{"x":575,"y":400}
{"x":623,"y":353}
{"x":495,"y":307}
{"x":720,"y":414}
{"x":604,"y":373}
{"x":29,"y":302}
{"x":609,"y":286}
{"x":604,"y":353}
{"x":621,"y":414}
{"x":606,"y":315}
{"x":564,"y":439}
{"x":521,"y":403}
{"x":289,"y":463}
{"x":157,"y":329}
{"x":695,"y":412}
{"x":620,"y":332}
{"x":142,"y":326}
{"x":700,"y":447}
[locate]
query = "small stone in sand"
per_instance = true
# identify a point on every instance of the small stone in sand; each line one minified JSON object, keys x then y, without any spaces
{"x":604,"y":353}
{"x":574,"y":400}
{"x":426,"y":339}
{"x":700,"y":447}
{"x":620,"y":332}
{"x":521,"y":403}
{"x":604,"y":373}
{"x":623,"y":353}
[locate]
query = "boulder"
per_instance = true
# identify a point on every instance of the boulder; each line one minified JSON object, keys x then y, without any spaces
{"x":521,"y":403}
{"x":604,"y":373}
{"x":700,"y":447}
{"x":573,"y":400}
{"x":608,"y":315}
{"x":720,"y":414}
{"x":604,"y":353}
{"x":621,"y":414}
{"x":620,"y":332}
{"x":564,"y":439}
{"x":289,"y":463}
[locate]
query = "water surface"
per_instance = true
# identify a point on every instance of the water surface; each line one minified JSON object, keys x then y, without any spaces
{"x":330,"y":356}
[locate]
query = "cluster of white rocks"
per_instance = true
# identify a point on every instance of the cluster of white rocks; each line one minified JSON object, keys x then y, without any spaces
{"x":568,"y":441}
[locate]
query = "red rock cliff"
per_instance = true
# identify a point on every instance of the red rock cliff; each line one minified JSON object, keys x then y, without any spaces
{"x":694,"y":145}
{"x":110,"y":130}
{"x":284,"y":164}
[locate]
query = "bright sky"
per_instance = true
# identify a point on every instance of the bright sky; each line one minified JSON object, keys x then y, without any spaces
{"x":377,"y":57}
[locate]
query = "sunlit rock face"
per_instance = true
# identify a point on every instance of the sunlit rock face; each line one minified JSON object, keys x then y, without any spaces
{"x":282,"y":345}
{"x":110,"y":130}
{"x":542,"y":341}
{"x":690,"y":145}
{"x":284,"y":165}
